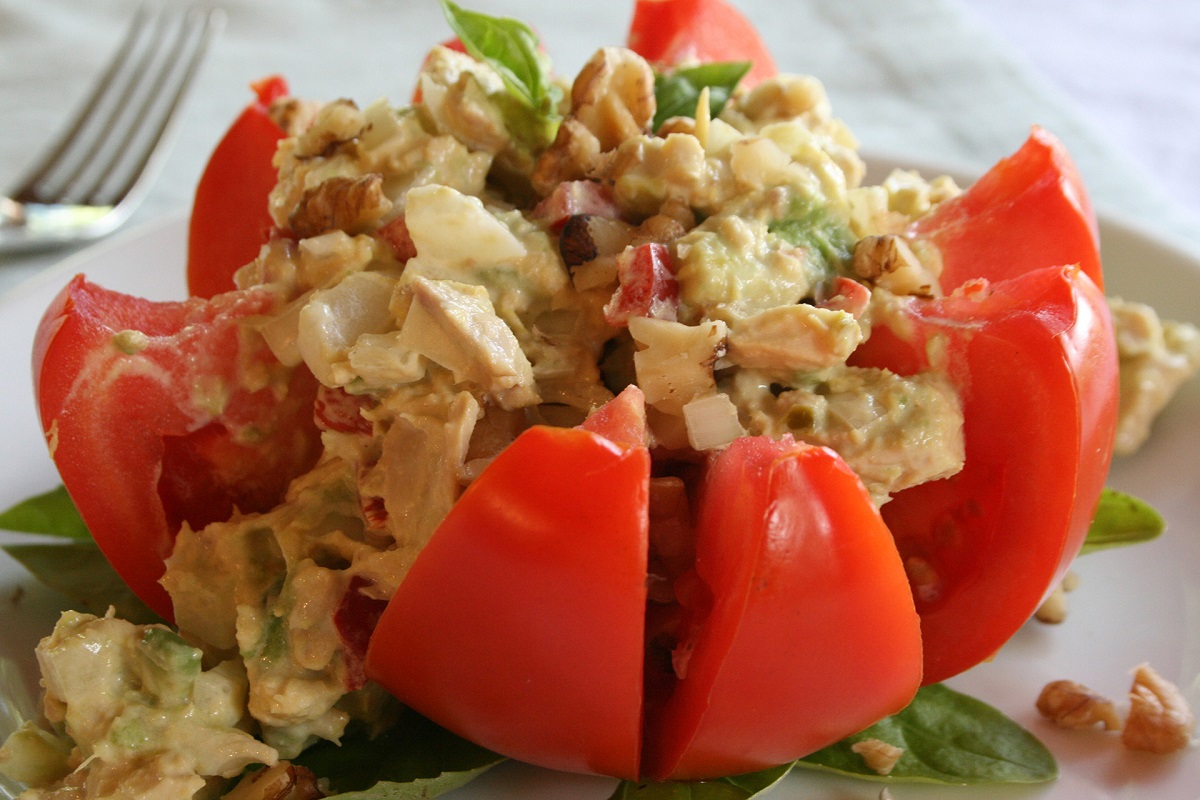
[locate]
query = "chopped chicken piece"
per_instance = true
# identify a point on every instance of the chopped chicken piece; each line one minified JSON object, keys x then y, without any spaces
{"x":799,"y":336}
{"x":1160,"y":719}
{"x":1157,"y":357}
{"x":1072,"y":705}
{"x":454,"y":325}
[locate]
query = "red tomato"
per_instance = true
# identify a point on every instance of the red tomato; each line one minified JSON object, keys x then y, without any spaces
{"x":520,"y":623}
{"x":803,"y":629}
{"x":230,"y":220}
{"x":673,"y":32}
{"x":1034,"y":360}
{"x":1028,"y":211}
{"x":154,"y":416}
{"x":523,"y":623}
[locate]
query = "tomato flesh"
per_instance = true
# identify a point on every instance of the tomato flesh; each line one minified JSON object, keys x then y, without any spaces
{"x":803,"y":630}
{"x":1035,"y":361}
{"x":675,"y":32}
{"x":152,"y":421}
{"x":230,"y":218}
{"x":1028,"y":211}
{"x":522,"y":625}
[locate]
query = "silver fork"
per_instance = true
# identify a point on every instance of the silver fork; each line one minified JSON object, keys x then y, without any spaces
{"x":90,"y":181}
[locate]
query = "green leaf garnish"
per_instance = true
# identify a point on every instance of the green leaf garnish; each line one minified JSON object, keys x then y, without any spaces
{"x":52,"y":513}
{"x":70,"y":563}
{"x":510,"y":47}
{"x":1121,"y":519}
{"x":738,"y":787}
{"x":947,"y":737}
{"x":677,"y":92}
{"x":412,"y":759}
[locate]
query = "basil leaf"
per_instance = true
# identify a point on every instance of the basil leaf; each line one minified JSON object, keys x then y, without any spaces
{"x":510,"y":47}
{"x":947,"y":737}
{"x":52,"y":513}
{"x":678,"y":91}
{"x":78,"y":570}
{"x":738,"y":787}
{"x":1122,"y":519}
{"x":413,"y":759}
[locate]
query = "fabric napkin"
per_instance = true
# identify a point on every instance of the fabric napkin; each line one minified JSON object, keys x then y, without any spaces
{"x":921,"y":80}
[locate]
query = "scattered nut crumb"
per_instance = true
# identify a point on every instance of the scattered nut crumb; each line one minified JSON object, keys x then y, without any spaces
{"x":1160,"y":719}
{"x":878,"y":755}
{"x":1054,"y":608}
{"x":1072,"y":705}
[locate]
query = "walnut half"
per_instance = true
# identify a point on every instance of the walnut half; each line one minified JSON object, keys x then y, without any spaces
{"x":1160,"y":719}
{"x":1072,"y":705}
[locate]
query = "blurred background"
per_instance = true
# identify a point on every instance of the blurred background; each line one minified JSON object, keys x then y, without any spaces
{"x":944,"y":84}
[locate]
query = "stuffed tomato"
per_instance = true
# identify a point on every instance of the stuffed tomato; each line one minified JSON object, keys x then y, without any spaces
{"x":649,"y":449}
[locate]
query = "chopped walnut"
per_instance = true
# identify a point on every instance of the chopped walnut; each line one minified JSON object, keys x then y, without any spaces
{"x":612,"y":100}
{"x":878,"y":755}
{"x":613,"y":96}
{"x":1072,"y":705}
{"x":1053,"y":609}
{"x":335,"y":124}
{"x":348,"y":204}
{"x":292,"y":115}
{"x":574,"y":152}
{"x":889,"y":262}
{"x":284,"y":781}
{"x":1160,"y":719}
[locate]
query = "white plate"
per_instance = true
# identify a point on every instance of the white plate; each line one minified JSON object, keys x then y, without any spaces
{"x":1135,"y":605}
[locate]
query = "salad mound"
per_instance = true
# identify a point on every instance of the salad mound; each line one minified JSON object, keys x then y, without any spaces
{"x":615,"y":426}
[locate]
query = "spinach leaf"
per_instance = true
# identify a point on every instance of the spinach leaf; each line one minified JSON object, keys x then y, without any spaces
{"x":79,"y":571}
{"x":738,"y":787}
{"x":69,"y":562}
{"x":413,"y":759}
{"x":511,"y":48}
{"x":677,"y":92}
{"x":1122,"y":519}
{"x":947,"y":737}
{"x":52,"y":513}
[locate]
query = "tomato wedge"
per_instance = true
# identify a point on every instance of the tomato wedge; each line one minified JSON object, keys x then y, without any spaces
{"x":1030,"y":210}
{"x":230,"y":218}
{"x":519,"y":625}
{"x":804,"y":631}
{"x":164,"y":413}
{"x":1034,"y":359}
{"x":523,"y":622}
{"x":674,"y":32}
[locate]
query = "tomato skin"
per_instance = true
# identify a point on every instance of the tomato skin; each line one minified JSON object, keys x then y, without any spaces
{"x":811,"y":634}
{"x":674,"y":32}
{"x":164,"y":431}
{"x":230,"y":217}
{"x":1028,"y":211}
{"x":1034,"y":359}
{"x":520,"y":623}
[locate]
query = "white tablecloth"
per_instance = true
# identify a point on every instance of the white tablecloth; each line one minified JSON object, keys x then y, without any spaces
{"x":956,"y":82}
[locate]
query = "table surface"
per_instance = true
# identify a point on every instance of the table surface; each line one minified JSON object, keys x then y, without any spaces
{"x":953,"y":82}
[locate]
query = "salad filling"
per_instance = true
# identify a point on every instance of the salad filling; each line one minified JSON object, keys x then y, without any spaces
{"x":455,"y":271}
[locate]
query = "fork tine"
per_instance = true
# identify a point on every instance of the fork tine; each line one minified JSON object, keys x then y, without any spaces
{"x":114,"y":128}
{"x":28,"y":191}
{"x":169,"y":91}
